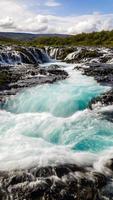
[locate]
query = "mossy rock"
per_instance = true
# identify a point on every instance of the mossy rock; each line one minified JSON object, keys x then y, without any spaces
{"x":88,"y":54}
{"x":65,"y":52}
{"x":7,"y":77}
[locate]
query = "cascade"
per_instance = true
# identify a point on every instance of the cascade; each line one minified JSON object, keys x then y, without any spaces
{"x":20,"y":55}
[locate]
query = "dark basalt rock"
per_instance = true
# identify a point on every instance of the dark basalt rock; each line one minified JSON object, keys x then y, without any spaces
{"x":19,"y":68}
{"x":89,"y":55}
{"x":43,"y":171}
{"x":14,"y":78}
{"x":79,"y":54}
{"x":99,"y":179}
{"x":103,"y":100}
{"x":84,"y":55}
{"x":108,"y":115}
{"x":103,"y":74}
{"x":53,"y":67}
{"x":61,"y":170}
{"x":43,"y":183}
{"x":17,"y":55}
{"x":109,"y":164}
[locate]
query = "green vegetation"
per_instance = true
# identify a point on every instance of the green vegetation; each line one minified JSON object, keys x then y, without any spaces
{"x":7,"y":77}
{"x":103,"y":38}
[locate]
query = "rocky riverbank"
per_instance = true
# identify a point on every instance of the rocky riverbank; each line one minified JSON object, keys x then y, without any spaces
{"x":94,"y":62}
{"x":81,"y":54}
{"x":91,"y":61}
{"x":103,"y":74}
{"x":14,"y":78}
{"x":20,"y":68}
{"x":62,"y":182}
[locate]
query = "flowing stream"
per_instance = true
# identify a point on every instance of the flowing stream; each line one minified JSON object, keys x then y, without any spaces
{"x":51,"y":124}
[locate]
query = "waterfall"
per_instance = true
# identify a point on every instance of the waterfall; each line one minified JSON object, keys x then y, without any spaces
{"x":19,"y":55}
{"x":55,"y":52}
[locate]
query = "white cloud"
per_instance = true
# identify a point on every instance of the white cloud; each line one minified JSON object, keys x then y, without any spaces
{"x":52,"y":3}
{"x":7,"y":23}
{"x":39,"y":24}
{"x":15,"y":16}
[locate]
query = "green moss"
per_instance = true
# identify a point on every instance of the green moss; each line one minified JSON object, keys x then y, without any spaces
{"x":89,"y":54}
{"x":66,"y":51}
{"x":7,"y":77}
{"x":4,"y":77}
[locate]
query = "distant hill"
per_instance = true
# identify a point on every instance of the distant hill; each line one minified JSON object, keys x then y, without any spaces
{"x":27,"y":36}
{"x":103,"y":38}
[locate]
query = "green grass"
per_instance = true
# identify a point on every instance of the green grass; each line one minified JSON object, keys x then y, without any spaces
{"x":103,"y":38}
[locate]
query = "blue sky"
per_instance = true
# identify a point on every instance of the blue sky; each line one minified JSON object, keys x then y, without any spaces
{"x":87,"y":6}
{"x":56,"y":16}
{"x":74,"y":7}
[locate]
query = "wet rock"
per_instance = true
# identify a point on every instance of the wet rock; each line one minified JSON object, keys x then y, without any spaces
{"x":69,"y":183}
{"x":54,"y":66}
{"x":109,"y":164}
{"x":19,"y":68}
{"x":88,"y":193}
{"x":83,"y":54}
{"x":59,"y":53}
{"x":102,"y":100}
{"x":61,"y":170}
{"x":14,"y":78}
{"x":103,"y":74}
{"x":38,"y":191}
{"x":20,"y":178}
{"x":108,"y":115}
{"x":17,"y":55}
{"x":80,"y":54}
{"x":43,"y":171}
{"x":100,"y":179}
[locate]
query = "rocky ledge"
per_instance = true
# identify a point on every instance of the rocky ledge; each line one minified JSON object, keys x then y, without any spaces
{"x":61,"y":182}
{"x":14,"y":78}
{"x":97,"y":63}
{"x":80,"y":54}
{"x":20,"y":68}
{"x":105,"y":99}
{"x":103,"y":74}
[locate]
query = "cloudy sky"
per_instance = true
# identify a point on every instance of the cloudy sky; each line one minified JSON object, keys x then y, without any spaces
{"x":56,"y":16}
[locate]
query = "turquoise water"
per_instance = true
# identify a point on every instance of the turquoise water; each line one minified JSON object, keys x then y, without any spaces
{"x":50,"y":123}
{"x":61,"y":99}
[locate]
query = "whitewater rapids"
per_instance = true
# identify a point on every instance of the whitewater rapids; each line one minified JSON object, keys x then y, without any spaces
{"x":51,"y":124}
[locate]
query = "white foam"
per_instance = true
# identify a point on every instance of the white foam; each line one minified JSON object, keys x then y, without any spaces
{"x":42,"y":138}
{"x":104,"y":159}
{"x":25,"y":140}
